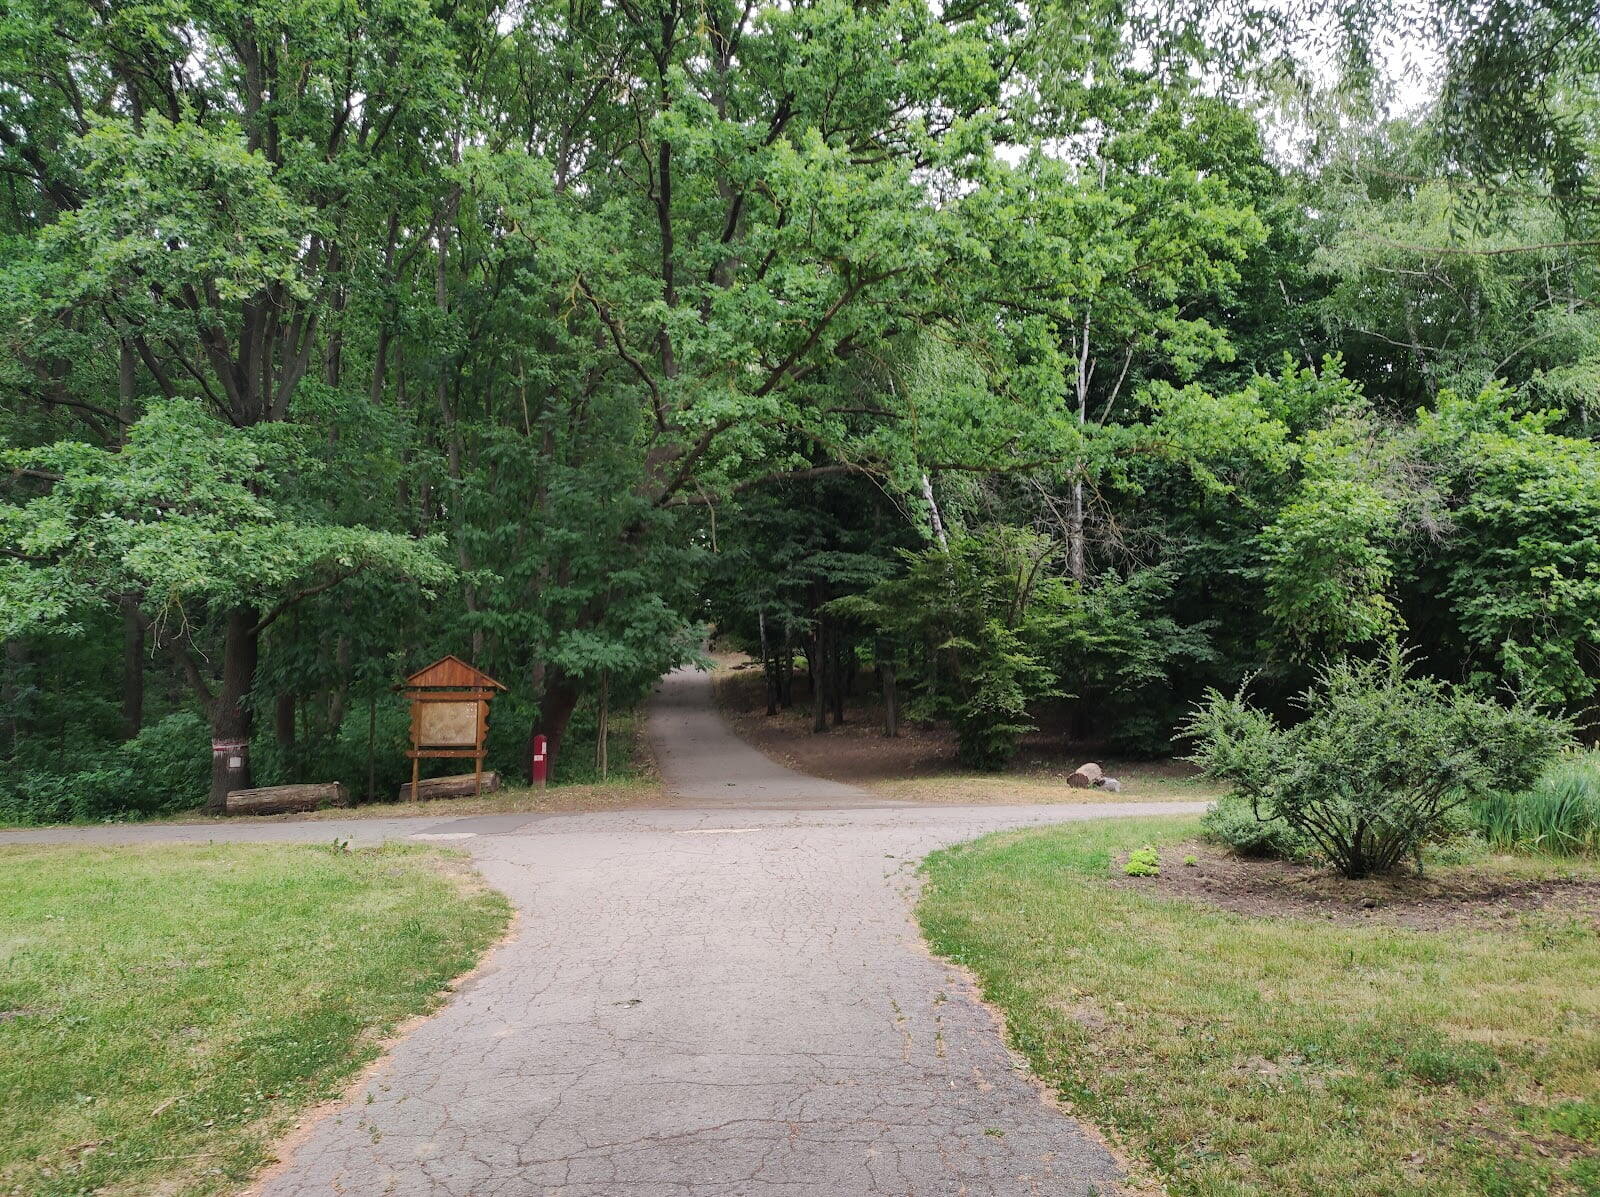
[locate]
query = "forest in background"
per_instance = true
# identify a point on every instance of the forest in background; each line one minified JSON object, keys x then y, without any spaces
{"x":1076,"y":354}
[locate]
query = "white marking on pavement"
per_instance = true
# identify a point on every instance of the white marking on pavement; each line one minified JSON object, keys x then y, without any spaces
{"x":719,"y":831}
{"x":444,"y":835}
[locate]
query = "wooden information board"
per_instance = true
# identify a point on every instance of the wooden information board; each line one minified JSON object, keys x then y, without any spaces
{"x":449,"y":714}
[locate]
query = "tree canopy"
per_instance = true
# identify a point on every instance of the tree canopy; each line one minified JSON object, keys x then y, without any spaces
{"x":1011,"y":349}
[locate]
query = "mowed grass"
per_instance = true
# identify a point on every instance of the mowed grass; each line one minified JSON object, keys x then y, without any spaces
{"x":1236,"y":1055}
{"x":166,"y":1011}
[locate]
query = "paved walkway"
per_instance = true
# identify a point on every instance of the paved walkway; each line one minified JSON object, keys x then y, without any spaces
{"x":704,"y":764}
{"x":727,"y":997}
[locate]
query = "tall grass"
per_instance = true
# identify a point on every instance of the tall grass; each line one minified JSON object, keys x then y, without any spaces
{"x":1560,"y":814}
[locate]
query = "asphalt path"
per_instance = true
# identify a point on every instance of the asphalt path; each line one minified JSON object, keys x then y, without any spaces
{"x":725,"y":995}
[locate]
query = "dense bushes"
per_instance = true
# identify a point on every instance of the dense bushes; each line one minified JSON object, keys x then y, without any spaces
{"x":1234,"y":823}
{"x":986,"y":627}
{"x":367,"y":748}
{"x":1558,"y":814}
{"x":1380,"y":761}
{"x":167,"y":767}
{"x":966,"y":620}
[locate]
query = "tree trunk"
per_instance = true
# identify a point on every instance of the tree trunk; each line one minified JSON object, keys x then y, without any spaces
{"x":836,"y":675}
{"x":16,"y":661}
{"x":132,"y":670}
{"x":602,"y":760}
{"x":341,"y":688}
{"x":372,"y":747}
{"x":279,"y":800}
{"x":555,"y":713}
{"x":891,"y":712}
{"x":769,"y":666}
{"x":1076,"y":566}
{"x":933,"y":513}
{"x":232,"y":718}
{"x":283,"y":720}
{"x":816,"y":656}
{"x":460,"y":785}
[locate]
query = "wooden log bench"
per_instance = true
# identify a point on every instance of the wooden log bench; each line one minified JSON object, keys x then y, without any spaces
{"x":283,"y":800}
{"x":449,"y":787}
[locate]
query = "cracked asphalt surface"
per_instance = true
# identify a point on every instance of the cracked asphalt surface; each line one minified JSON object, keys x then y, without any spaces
{"x":727,"y":996}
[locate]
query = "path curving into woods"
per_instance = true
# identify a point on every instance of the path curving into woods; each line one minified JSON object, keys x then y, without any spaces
{"x":725,"y":996}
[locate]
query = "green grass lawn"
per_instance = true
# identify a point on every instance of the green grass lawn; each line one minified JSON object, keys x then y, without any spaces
{"x":1238,"y":1055}
{"x":166,"y":1011}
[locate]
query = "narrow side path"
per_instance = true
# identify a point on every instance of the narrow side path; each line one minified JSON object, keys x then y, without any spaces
{"x":705,"y":764}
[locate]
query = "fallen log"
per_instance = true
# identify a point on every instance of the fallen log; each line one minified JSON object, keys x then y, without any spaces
{"x":449,"y":787}
{"x":1085,"y":776}
{"x":282,"y":800}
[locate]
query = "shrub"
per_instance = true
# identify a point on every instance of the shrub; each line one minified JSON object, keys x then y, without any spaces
{"x":1379,"y":762}
{"x":1559,"y":813}
{"x":990,"y":713}
{"x":347,"y":756}
{"x":171,"y":764}
{"x":968,"y":619}
{"x":1235,"y":823}
{"x":167,"y":767}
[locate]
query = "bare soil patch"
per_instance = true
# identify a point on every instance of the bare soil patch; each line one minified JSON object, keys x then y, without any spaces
{"x":1475,"y":897}
{"x":920,"y":763}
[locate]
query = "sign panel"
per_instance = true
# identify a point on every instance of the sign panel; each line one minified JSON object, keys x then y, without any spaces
{"x":452,"y":724}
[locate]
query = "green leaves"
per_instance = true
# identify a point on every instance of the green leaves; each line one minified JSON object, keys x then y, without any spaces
{"x":190,"y":512}
{"x":1328,"y":565}
{"x":964,"y":617}
{"x":1377,"y":759}
{"x":1524,"y":565}
{"x":175,"y":206}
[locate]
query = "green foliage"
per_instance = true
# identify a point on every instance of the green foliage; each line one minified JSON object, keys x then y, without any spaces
{"x":345,"y":754}
{"x":964,"y":616}
{"x":310,"y":375}
{"x":1143,"y":862}
{"x":1524,"y":565}
{"x":1378,"y":761}
{"x":1120,"y":648}
{"x":190,"y":510}
{"x":992,"y":680}
{"x":1237,"y":823}
{"x":1328,"y":564}
{"x":165,"y":768}
{"x":1559,"y":813}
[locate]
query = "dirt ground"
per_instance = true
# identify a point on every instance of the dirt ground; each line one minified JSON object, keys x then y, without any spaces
{"x":919,"y":764}
{"x":1477,"y":897}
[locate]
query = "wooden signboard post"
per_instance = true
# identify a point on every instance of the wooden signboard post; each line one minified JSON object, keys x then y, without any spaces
{"x":449,"y":715}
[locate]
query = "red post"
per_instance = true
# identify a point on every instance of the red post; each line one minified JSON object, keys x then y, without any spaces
{"x":538,"y":761}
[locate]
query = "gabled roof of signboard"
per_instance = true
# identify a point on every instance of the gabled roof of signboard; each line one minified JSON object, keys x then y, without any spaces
{"x":453,"y":673}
